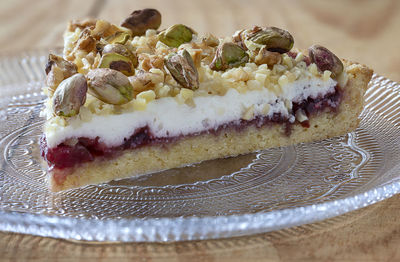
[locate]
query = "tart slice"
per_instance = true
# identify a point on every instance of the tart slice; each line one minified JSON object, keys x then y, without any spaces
{"x":129,"y":100}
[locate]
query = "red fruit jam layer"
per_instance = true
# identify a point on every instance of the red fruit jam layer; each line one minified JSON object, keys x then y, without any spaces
{"x":87,"y":149}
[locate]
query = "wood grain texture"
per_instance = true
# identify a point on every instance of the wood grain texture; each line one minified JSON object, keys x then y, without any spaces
{"x":361,"y":30}
{"x":369,"y":234}
{"x":37,"y":24}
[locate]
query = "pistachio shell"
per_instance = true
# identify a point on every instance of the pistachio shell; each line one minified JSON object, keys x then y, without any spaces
{"x":182,"y":69}
{"x":141,"y":20}
{"x":229,"y":55}
{"x":110,"y":86}
{"x":325,"y":60}
{"x":70,"y":96}
{"x":117,"y":62}
{"x":176,"y":35}
{"x":267,"y":57}
{"x":275,"y":39}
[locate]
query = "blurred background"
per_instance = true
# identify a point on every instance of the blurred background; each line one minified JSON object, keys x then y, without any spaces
{"x":366,"y":31}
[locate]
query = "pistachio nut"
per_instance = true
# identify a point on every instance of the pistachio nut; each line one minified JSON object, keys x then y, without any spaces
{"x":229,"y":55}
{"x":238,"y":38}
{"x":325,"y":60}
{"x":182,"y":69}
{"x":81,"y":24}
{"x":176,"y":35}
{"x":104,"y":29}
{"x":122,"y":50}
{"x":70,"y":96}
{"x":141,"y":20}
{"x":117,"y":62}
{"x":57,"y":69}
{"x":86,"y":41}
{"x":118,"y":38}
{"x":275,"y":39}
{"x":110,"y":86}
{"x":267,"y":57}
{"x":142,"y":81}
{"x":210,"y":40}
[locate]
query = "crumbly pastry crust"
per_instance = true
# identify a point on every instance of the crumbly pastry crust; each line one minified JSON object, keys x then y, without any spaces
{"x":227,"y":143}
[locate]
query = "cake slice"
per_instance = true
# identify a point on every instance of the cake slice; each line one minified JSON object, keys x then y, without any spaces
{"x":129,"y":100}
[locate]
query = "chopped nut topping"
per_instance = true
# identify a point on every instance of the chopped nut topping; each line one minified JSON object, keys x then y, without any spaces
{"x":86,"y":41}
{"x":104,"y":29}
{"x":81,"y":24}
{"x":146,"y":80}
{"x":144,"y":61}
{"x":267,"y":57}
{"x":283,"y":80}
{"x":139,"y":104}
{"x":185,"y":96}
{"x":148,"y":95}
{"x":177,"y":63}
{"x":210,"y":40}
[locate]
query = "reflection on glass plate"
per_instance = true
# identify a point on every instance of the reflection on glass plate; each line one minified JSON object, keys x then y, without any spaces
{"x":264,"y":191}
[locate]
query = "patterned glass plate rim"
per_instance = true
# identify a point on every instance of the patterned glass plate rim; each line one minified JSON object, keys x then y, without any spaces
{"x":166,"y":229}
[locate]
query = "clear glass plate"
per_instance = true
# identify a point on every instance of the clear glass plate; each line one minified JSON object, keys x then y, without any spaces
{"x":260,"y":192}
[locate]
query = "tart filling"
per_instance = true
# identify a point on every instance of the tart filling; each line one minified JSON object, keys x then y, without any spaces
{"x":87,"y":142}
{"x":165,"y":117}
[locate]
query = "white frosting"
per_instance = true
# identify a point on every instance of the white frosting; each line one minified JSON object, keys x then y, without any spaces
{"x":166,"y":117}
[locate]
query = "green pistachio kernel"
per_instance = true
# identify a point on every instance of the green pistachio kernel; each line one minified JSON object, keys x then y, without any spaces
{"x":229,"y":55}
{"x":275,"y":39}
{"x":176,"y":35}
{"x":118,"y":38}
{"x":117,"y":62}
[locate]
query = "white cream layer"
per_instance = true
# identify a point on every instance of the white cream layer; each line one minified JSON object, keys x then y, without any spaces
{"x":167,"y":118}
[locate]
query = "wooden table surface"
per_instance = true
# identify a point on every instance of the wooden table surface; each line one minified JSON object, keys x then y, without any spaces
{"x":366,"y":31}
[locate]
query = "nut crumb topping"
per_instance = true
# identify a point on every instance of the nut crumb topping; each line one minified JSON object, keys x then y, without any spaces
{"x":178,"y":63}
